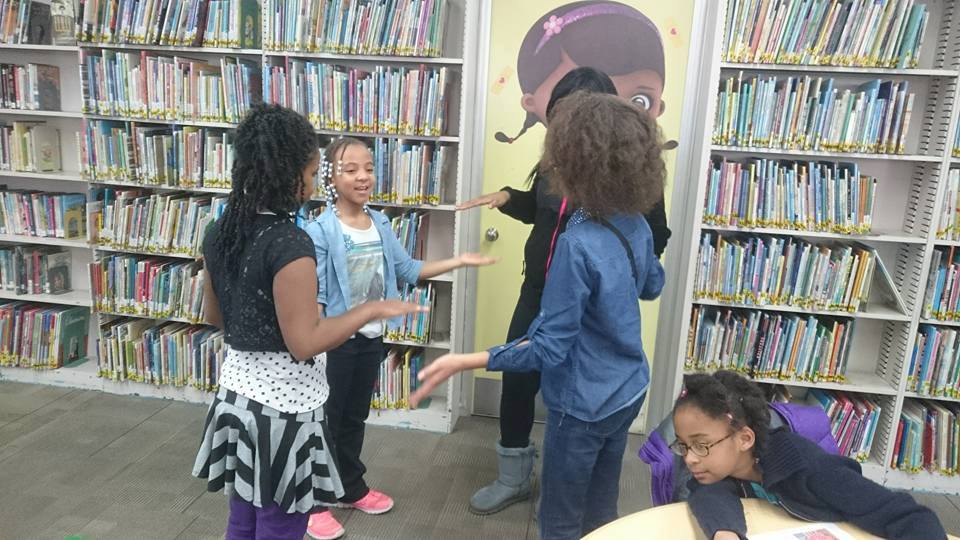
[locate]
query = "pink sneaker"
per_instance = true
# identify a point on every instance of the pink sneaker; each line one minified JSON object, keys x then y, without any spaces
{"x":374,"y":502}
{"x":323,"y":526}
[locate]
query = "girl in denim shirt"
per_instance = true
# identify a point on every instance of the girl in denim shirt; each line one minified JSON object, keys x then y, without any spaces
{"x":359,"y":259}
{"x":603,"y":155}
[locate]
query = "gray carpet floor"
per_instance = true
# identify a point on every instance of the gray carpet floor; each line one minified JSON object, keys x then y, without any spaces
{"x":100,"y":466}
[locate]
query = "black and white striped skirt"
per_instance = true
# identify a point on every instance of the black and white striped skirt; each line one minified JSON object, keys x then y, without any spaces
{"x":265,"y":455}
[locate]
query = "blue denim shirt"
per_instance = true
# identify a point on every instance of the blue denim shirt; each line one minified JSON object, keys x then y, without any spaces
{"x":586,"y":340}
{"x":333,"y":283}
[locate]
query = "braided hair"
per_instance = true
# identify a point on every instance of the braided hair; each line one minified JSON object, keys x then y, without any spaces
{"x":726,"y":393}
{"x":272,"y":147}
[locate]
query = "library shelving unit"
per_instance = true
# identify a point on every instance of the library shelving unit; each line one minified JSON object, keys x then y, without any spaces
{"x":448,"y":231}
{"x":910,"y":190}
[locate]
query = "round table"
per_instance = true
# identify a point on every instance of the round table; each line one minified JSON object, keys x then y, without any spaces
{"x":676,"y":522}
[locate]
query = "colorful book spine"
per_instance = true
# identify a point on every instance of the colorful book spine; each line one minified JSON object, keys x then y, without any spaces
{"x":416,"y":327}
{"x":948,"y":227}
{"x":397,"y":378}
{"x":41,"y":336}
{"x":771,"y":270}
{"x":853,"y":420}
{"x":386,"y":27}
{"x":387,"y":99}
{"x":813,"y":114}
{"x":769,"y":345}
{"x":41,"y":214}
{"x":942,"y":295}
{"x":148,"y":287}
{"x":927,"y":437}
{"x":32,"y":87}
{"x":934,"y":368}
{"x":35,"y":269}
{"x":30,"y":147}
{"x":161,"y":353}
{"x":805,"y":196}
{"x":864,"y":33}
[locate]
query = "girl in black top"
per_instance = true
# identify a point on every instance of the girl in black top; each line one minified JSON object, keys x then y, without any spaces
{"x":540,"y":207}
{"x":265,"y":441}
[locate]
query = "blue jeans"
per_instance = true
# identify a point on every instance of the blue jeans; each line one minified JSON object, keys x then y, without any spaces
{"x":580,"y":482}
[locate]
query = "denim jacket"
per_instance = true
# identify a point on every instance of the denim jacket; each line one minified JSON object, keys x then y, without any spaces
{"x":586,"y":340}
{"x":333,"y":283}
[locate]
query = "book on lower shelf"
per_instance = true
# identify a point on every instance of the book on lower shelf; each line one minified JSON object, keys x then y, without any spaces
{"x":772,"y":270}
{"x":33,"y":87}
{"x":934,"y":368}
{"x":416,"y":327}
{"x":769,"y":345}
{"x":162,"y":223}
{"x":43,"y":214}
{"x":813,"y":113}
{"x":148,"y":287}
{"x":389,"y":27}
{"x":941,"y":299}
{"x":853,"y":420}
{"x":161,"y":353}
{"x":42,"y":336}
{"x":948,"y":227}
{"x":806,"y":196}
{"x":398,"y":378}
{"x":30,"y":147}
{"x":927,"y":437}
{"x":35,"y":269}
{"x":870,"y":34}
{"x":384,"y":99}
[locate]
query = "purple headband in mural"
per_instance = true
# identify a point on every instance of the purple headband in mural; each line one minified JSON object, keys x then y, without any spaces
{"x":554,"y":25}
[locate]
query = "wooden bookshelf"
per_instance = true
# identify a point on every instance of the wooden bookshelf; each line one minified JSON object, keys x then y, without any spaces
{"x":451,"y":236}
{"x":911,"y":189}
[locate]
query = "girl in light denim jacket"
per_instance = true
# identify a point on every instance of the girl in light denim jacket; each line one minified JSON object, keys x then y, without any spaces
{"x":359,"y":259}
{"x":603,"y":155}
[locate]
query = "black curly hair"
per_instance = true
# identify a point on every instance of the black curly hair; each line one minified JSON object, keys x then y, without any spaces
{"x":272,"y":147}
{"x":728,"y":393}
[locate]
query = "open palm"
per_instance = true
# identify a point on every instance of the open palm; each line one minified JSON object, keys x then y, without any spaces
{"x":476,"y":259}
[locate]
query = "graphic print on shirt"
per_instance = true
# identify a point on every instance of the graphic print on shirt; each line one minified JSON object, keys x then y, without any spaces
{"x":365,"y":265}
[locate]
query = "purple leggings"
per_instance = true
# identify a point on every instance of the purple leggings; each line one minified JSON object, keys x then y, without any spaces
{"x":247,"y":522}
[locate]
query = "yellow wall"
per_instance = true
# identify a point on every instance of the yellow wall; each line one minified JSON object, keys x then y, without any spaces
{"x":509,"y":164}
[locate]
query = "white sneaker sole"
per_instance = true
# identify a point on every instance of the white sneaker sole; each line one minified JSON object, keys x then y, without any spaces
{"x":370,"y":512}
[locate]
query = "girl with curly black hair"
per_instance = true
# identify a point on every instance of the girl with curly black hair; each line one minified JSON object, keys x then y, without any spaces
{"x":586,"y":340}
{"x":265,"y":441}
{"x":722,"y":424}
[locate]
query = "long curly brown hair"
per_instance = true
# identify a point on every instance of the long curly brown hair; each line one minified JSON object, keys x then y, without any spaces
{"x":603,"y":154}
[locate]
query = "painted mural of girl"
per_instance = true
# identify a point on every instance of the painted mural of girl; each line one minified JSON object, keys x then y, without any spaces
{"x":623,"y":43}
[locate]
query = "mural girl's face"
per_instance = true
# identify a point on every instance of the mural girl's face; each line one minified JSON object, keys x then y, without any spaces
{"x":644,"y":88}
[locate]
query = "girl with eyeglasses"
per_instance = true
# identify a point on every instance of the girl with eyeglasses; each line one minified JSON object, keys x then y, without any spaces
{"x":721,"y":424}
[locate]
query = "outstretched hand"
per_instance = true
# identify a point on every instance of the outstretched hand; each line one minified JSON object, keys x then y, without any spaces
{"x":476,"y":259}
{"x":388,"y":309}
{"x":442,"y":369}
{"x":491,"y":200}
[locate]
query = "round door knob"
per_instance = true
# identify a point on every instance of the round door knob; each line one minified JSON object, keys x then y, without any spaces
{"x":492,"y":234}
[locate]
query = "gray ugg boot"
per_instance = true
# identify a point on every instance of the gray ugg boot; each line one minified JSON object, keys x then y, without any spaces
{"x":513,"y":483}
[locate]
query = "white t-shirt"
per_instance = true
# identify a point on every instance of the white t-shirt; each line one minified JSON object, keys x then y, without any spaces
{"x":365,"y":271}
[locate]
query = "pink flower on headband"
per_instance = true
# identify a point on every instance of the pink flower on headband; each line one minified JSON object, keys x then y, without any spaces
{"x":683,"y":393}
{"x":553,"y":26}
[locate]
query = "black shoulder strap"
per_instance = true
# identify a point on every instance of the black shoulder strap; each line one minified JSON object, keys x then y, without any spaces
{"x":626,"y":245}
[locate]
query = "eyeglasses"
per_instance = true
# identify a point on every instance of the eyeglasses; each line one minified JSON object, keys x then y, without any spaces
{"x":698,"y":448}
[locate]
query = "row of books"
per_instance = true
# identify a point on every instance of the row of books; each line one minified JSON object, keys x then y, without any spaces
{"x":928,"y":437}
{"x":871,"y":33}
{"x":807,"y":113}
{"x":384,"y":27}
{"x":30,"y":147}
{"x":387,"y":99}
{"x":948,"y":227}
{"x":416,"y":327}
{"x":409,"y":172}
{"x":935,"y":362}
{"x":145,"y":85}
{"x":186,"y":23}
{"x":42,"y":336}
{"x":806,"y":196}
{"x":772,"y":270}
{"x":33,"y":87}
{"x":412,"y":229}
{"x":148,"y":287}
{"x":35,"y":269}
{"x":769,"y":345}
{"x":160,"y":223}
{"x":397,"y":379}
{"x":160,"y":353}
{"x":941,"y":299}
{"x":853,"y":420}
{"x":39,"y":22}
{"x":186,"y":156}
{"x":956,"y":143}
{"x":43,"y":214}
